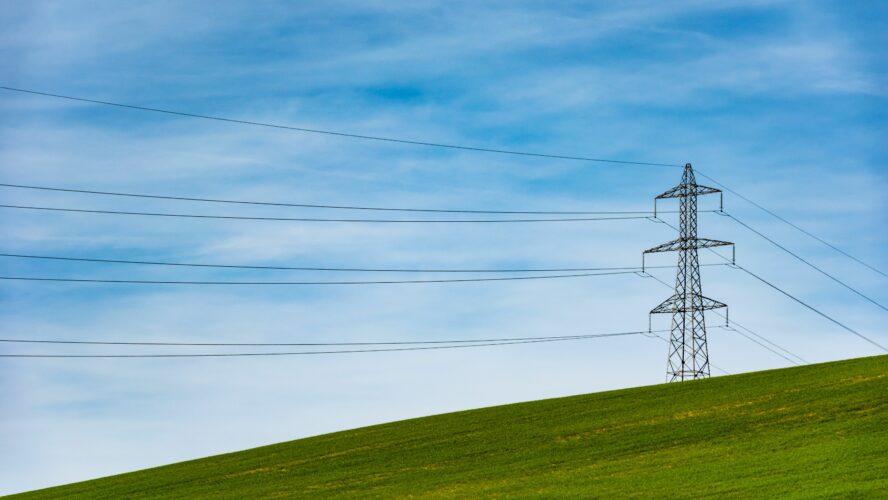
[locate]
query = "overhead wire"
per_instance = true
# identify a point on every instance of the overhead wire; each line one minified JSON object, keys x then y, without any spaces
{"x":784,"y":292}
{"x":379,"y":282}
{"x":437,"y":145}
{"x":312,"y":219}
{"x":336,"y":207}
{"x":732,"y":322}
{"x":309,"y":353}
{"x":300,"y":344}
{"x":796,"y":227}
{"x":335,"y":269}
{"x":806,"y":262}
{"x":793,"y":297}
{"x":339,"y":134}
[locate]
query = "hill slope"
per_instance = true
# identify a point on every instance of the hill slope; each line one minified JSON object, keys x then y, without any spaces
{"x":798,"y":432}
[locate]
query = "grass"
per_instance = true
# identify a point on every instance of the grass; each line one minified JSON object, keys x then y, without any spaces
{"x":812,"y":431}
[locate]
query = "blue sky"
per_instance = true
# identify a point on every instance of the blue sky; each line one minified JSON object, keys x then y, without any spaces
{"x":786,"y":102}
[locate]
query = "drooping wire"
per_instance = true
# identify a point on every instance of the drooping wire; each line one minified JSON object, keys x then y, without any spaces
{"x":311,"y":219}
{"x":308,"y":353}
{"x":387,"y":282}
{"x":793,"y":297}
{"x":794,"y":226}
{"x":339,"y":134}
{"x":336,"y":269}
{"x":784,"y":292}
{"x":732,"y":322}
{"x":808,"y":263}
{"x":441,"y":145}
{"x":301,"y":344}
{"x":337,"y":207}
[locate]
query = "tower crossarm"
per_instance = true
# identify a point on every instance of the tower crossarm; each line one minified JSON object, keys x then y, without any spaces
{"x":688,"y":304}
{"x":687,"y":244}
{"x":684,"y":189}
{"x":688,"y":349}
{"x":689,"y":189}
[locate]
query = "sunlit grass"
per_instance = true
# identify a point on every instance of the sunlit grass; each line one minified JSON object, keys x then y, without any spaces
{"x":818,"y":430}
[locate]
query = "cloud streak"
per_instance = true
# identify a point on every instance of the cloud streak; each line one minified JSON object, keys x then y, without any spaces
{"x":781,"y":101}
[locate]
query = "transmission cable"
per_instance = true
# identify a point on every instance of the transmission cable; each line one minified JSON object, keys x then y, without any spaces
{"x":339,"y":134}
{"x":308,"y":353}
{"x":337,"y":207}
{"x":785,"y":221}
{"x":300,"y":344}
{"x":793,"y":297}
{"x":440,"y":145}
{"x":846,"y":327}
{"x":390,"y":282}
{"x":336,"y":269}
{"x":812,"y":266}
{"x":307,"y":219}
{"x":733,"y":323}
{"x":667,"y":285}
{"x":750,"y":331}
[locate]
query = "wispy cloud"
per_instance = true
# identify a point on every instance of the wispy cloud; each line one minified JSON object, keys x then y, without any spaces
{"x":782,"y":101}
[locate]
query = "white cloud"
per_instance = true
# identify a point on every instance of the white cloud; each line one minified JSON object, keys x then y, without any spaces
{"x":504,"y":78}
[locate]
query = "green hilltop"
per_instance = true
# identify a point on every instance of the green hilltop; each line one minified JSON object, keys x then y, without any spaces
{"x":811,"y":431}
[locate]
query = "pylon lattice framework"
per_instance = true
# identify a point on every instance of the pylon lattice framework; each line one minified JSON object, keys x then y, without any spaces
{"x":688,"y":352}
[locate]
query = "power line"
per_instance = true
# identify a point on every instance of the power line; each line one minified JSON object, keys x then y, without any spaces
{"x":784,"y":292}
{"x":447,"y":146}
{"x":339,"y":134}
{"x":846,"y":327}
{"x":812,"y":266}
{"x":393,"y":282}
{"x":338,"y":269}
{"x":307,"y":353}
{"x":305,"y":219}
{"x":440,"y":145}
{"x":426,"y":210}
{"x":750,"y":331}
{"x":301,"y":344}
{"x":338,"y":207}
{"x":785,"y":221}
{"x":733,"y":324}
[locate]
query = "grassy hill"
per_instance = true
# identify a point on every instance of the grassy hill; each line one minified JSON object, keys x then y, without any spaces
{"x":817,"y":430}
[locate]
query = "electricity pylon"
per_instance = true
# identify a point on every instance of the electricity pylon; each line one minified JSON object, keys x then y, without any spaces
{"x":688,"y":352}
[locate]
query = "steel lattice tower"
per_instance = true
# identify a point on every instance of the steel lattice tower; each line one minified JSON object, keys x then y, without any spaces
{"x":688,"y":352}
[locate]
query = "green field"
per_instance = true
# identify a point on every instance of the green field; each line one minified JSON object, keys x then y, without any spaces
{"x":813,"y":431}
